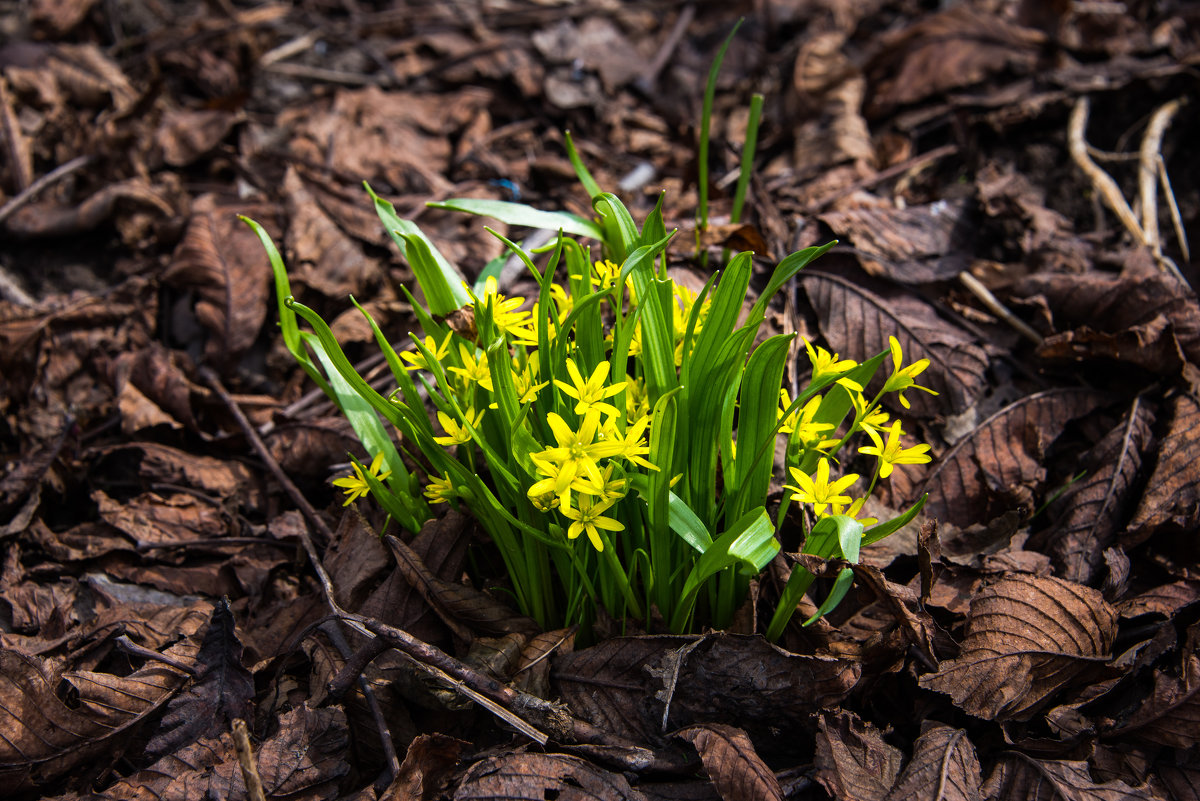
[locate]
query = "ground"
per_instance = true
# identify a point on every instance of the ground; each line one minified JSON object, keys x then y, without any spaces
{"x":1012,"y":193}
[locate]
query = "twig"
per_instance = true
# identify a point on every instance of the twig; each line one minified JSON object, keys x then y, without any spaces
{"x":433,"y":660}
{"x":997,"y":308}
{"x":325,"y":75}
{"x":130,"y":647}
{"x":1149,"y":158}
{"x":241,"y":743}
{"x":645,"y":82}
{"x":1108,"y":190}
{"x":52,"y":177}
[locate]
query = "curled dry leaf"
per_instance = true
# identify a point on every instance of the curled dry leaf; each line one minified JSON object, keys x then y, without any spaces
{"x":1096,"y":507}
{"x":736,"y":769}
{"x":1027,"y":638}
{"x":852,"y":761}
{"x":537,"y":777}
{"x":1173,"y":494}
{"x":1021,"y":776}
{"x":426,"y":768}
{"x":49,"y":219}
{"x":1114,"y":304}
{"x":222,"y":260}
{"x":324,"y":256}
{"x":998,"y":465}
{"x":1171,"y":715}
{"x":944,"y":767}
{"x":857,"y":323}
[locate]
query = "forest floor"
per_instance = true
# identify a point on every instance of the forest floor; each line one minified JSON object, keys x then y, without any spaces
{"x":996,"y":175}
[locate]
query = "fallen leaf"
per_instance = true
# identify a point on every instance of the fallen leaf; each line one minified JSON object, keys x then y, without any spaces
{"x":185,"y":135}
{"x":1027,"y":638}
{"x":944,"y":767}
{"x":731,"y":762}
{"x":222,"y":690}
{"x":1173,"y":493}
{"x":1021,"y":776}
{"x":954,"y":48}
{"x":222,"y":261}
{"x":999,"y":464}
{"x":909,"y":245}
{"x":1170,"y":716}
{"x":857,"y":323}
{"x":852,"y":761}
{"x":1094,"y":509}
{"x":426,"y":768}
{"x":537,"y":777}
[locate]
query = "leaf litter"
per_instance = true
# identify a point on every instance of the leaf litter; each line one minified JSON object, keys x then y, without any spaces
{"x":1036,"y":639}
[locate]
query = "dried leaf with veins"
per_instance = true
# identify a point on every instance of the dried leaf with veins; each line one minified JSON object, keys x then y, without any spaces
{"x":998,"y":465}
{"x":1173,"y":493}
{"x":944,"y":767}
{"x":736,"y":769}
{"x":1021,"y":776}
{"x":857,"y":322}
{"x":1096,"y":507}
{"x":535,"y":777}
{"x":852,"y":759}
{"x":1027,"y":638}
{"x":1171,"y":715}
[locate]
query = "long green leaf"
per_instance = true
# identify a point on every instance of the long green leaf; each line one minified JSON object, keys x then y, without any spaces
{"x":747,"y":546}
{"x":750,"y":476}
{"x":523,"y":215}
{"x":442,"y":283}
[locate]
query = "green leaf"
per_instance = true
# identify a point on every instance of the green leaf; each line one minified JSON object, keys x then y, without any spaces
{"x":747,"y":546}
{"x":442,"y":283}
{"x":287,"y":317}
{"x":879,"y":531}
{"x":758,"y":421}
{"x":523,"y":215}
{"x":581,"y":171}
{"x":620,"y":233}
{"x":785,"y":270}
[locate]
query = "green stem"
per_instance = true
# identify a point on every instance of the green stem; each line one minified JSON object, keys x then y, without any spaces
{"x":617,"y":573}
{"x":797,"y":584}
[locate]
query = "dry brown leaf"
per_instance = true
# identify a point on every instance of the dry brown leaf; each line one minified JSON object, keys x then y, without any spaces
{"x":1165,"y":600}
{"x":50,"y":219}
{"x":463,"y":608}
{"x":732,"y":764}
{"x":323,"y":256}
{"x":911,"y":245}
{"x":222,"y":260}
{"x":1173,"y":492}
{"x":1171,"y":715}
{"x":998,"y":465}
{"x":222,"y":690}
{"x":185,"y":135}
{"x":537,"y":777}
{"x":1094,"y":509}
{"x":857,"y":323}
{"x":172,"y":519}
{"x":1115,"y":304}
{"x":957,"y":47}
{"x":852,"y":761}
{"x":426,"y":768}
{"x":1021,"y":776}
{"x":1027,"y":638}
{"x":944,"y":767}
{"x":1182,"y":782}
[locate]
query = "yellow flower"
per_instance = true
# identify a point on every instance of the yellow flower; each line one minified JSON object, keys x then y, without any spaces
{"x":577,"y":451}
{"x":825,"y":365}
{"x":590,"y":392}
{"x":505,"y":311}
{"x":524,"y":381}
{"x":632,"y":446}
{"x":605,"y":274}
{"x":355,"y":485}
{"x":589,"y":517}
{"x":872,"y":421}
{"x":891,"y":453}
{"x":853,"y":511}
{"x":473,"y":371}
{"x":637,"y":402}
{"x":817,"y":490}
{"x":441,"y":490}
{"x":612,"y":489}
{"x":456,"y":434}
{"x":801,"y":424}
{"x":903,"y":377}
{"x":416,"y":359}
